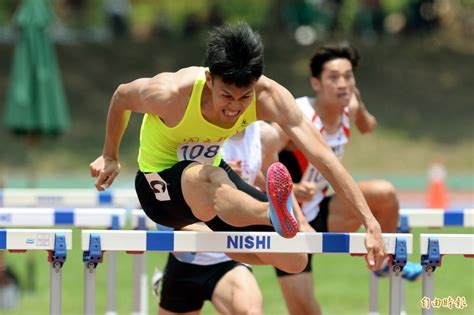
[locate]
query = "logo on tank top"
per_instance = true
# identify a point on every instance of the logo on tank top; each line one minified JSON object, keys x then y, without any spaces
{"x":203,"y":140}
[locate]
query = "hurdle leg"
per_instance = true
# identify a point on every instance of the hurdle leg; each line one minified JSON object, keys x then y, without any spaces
{"x":89,"y":288}
{"x":402,"y":297}
{"x":428,"y":288}
{"x":111,"y":284}
{"x":140,"y":286}
{"x":55,"y":288}
{"x":373,"y":294}
{"x":395,"y":284}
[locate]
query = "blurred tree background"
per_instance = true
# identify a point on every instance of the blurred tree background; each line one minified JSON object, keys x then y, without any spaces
{"x":416,"y":73}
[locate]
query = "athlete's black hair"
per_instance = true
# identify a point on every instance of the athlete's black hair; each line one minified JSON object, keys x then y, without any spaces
{"x":235,"y":53}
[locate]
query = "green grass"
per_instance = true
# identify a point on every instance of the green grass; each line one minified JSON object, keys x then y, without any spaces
{"x":341,"y":283}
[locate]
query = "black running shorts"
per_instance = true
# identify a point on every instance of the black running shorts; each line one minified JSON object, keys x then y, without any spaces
{"x":175,"y":212}
{"x":185,"y":287}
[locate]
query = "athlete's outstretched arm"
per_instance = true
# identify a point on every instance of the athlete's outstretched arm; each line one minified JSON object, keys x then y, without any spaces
{"x":125,"y":99}
{"x":275,"y":103}
{"x":364,"y":121}
{"x":147,"y":95}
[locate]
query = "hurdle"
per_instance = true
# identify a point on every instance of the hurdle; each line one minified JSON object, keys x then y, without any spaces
{"x":95,"y":242}
{"x":112,"y":218}
{"x":426,"y":218}
{"x":56,"y":242}
{"x":432,"y":248}
{"x":139,"y":221}
{"x":69,"y":198}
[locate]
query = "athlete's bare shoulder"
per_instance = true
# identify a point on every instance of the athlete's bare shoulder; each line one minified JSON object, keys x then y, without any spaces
{"x":168,"y":92}
{"x":167,"y":86}
{"x":264,"y":85}
{"x":274,"y":102}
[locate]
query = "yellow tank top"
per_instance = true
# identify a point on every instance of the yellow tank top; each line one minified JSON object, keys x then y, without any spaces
{"x":193,"y":138}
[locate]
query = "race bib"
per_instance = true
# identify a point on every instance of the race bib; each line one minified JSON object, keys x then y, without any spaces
{"x":204,"y":153}
{"x":313,"y":175}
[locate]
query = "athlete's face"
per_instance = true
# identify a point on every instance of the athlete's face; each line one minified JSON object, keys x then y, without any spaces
{"x":336,"y":83}
{"x":229,"y":101}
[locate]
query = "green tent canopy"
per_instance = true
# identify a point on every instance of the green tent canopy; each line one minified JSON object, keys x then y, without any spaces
{"x":35,"y":101}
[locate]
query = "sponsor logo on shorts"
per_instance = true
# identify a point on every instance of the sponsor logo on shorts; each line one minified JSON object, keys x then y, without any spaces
{"x":159,"y":186}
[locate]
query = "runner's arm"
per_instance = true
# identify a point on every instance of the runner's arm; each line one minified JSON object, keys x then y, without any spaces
{"x":364,"y":121}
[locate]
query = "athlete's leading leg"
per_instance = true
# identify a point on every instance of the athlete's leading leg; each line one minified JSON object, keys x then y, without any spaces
{"x":209,"y":192}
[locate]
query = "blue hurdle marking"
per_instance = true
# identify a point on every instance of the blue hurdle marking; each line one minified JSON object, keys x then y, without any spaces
{"x":454,"y":218}
{"x":63,"y":217}
{"x":161,"y":241}
{"x":336,"y":242}
{"x":105,"y":197}
{"x":3,"y":239}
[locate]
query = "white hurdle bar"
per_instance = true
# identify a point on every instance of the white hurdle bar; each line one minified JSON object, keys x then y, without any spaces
{"x":80,"y":198}
{"x":112,"y":218}
{"x":56,"y":242}
{"x":426,"y":218}
{"x":94,"y":243}
{"x":432,"y":248}
{"x":435,"y":218}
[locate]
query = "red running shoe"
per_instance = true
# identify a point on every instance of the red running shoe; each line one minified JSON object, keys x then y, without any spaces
{"x":279,"y":186}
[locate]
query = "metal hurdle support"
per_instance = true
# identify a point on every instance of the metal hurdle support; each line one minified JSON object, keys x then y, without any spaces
{"x":426,"y":218}
{"x":56,"y":242}
{"x":94,"y":243}
{"x":72,"y":198}
{"x":432,"y":248}
{"x":112,"y":218}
